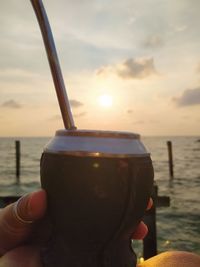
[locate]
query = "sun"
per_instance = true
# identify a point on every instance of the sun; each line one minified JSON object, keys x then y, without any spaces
{"x":105,"y":100}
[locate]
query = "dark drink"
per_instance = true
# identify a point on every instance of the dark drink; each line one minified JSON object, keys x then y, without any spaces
{"x":98,"y":185}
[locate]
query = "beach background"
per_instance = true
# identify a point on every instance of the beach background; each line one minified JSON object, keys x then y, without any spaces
{"x":177,"y":226}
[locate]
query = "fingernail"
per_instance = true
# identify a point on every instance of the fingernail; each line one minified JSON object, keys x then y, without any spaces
{"x":36,"y":203}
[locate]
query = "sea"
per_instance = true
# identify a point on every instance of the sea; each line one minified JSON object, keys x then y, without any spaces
{"x":178,"y":226}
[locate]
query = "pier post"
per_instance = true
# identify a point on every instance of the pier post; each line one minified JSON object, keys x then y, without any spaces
{"x":17,"y":155}
{"x":170,"y":156}
{"x":150,"y":241}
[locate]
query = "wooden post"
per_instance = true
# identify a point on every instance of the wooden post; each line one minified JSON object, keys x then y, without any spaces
{"x":17,"y":154}
{"x":150,"y":241}
{"x":170,"y":155}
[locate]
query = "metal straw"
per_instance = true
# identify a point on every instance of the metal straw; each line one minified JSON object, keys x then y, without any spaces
{"x":54,"y":64}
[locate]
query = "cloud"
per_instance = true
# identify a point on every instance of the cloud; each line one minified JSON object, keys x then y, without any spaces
{"x":180,"y":28}
{"x":75,"y":104}
{"x":11,"y":104}
{"x":59,"y":117}
{"x":129,"y":111}
{"x":153,"y":41}
{"x":189,"y":97}
{"x":139,"y":68}
{"x":139,"y":122}
{"x":81,"y":114}
{"x":55,"y":118}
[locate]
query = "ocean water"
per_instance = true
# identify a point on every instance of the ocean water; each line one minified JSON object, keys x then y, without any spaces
{"x":178,"y":226}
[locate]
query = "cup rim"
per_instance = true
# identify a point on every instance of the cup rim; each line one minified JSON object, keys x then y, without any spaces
{"x":98,"y":133}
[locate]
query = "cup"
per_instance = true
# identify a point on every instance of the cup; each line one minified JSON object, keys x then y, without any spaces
{"x":98,"y":184}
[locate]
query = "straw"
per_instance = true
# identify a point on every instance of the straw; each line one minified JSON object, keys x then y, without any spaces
{"x":54,"y":64}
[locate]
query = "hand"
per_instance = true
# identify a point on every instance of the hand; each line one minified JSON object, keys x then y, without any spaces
{"x":142,"y":229}
{"x":14,"y":234}
{"x":16,"y":247}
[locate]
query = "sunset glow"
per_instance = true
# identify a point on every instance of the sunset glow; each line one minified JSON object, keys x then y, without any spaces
{"x":127,"y":65}
{"x":105,"y":101}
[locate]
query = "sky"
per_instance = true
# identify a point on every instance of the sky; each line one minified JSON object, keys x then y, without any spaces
{"x":128,"y":65}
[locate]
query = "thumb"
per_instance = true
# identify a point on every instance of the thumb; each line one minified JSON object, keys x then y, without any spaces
{"x":14,"y":231}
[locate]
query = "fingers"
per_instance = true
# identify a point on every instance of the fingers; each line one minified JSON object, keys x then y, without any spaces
{"x":13,"y":230}
{"x":150,"y":204}
{"x":142,"y":229}
{"x":22,"y":256}
{"x":140,"y":232}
